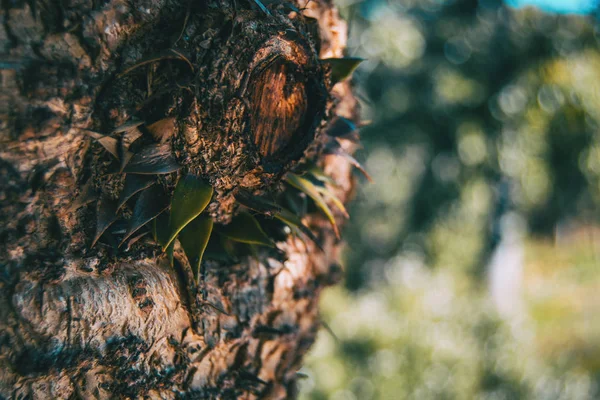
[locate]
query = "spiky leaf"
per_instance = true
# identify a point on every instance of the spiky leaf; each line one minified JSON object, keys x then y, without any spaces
{"x":134,"y":184}
{"x":306,"y":186}
{"x":85,"y":196}
{"x":341,"y":127}
{"x":150,"y":204}
{"x":294,"y":221}
{"x":192,"y":195}
{"x":109,"y":143}
{"x":127,"y":126}
{"x":262,"y":7}
{"x":244,"y":228}
{"x":342,"y":68}
{"x":194,"y":238}
{"x":320,"y":175}
{"x":155,"y":159}
{"x":106,"y":215}
{"x":334,"y":199}
{"x":338,"y":151}
{"x":127,"y":138}
{"x":257,"y":203}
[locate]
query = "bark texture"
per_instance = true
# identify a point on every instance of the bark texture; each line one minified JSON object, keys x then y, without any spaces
{"x":78,"y":321}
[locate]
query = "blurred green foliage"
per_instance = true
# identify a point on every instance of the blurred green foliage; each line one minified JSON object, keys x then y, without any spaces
{"x":473,"y":262}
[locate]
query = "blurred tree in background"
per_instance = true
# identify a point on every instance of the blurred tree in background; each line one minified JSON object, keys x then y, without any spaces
{"x":473,"y":262}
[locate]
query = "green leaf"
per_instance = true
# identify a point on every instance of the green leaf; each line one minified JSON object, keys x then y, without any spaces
{"x":150,"y":204}
{"x":342,"y":68}
{"x":194,"y":238}
{"x":134,"y":184}
{"x":257,"y":203}
{"x":244,"y":228}
{"x":334,"y":199}
{"x":160,"y":228}
{"x":170,"y":253}
{"x":306,"y":186}
{"x":192,"y":195}
{"x":294,"y":221}
{"x":154,"y":159}
{"x":320,"y":175}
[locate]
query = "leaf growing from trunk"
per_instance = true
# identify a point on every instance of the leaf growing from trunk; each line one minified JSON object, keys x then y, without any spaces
{"x":155,"y":159}
{"x":109,"y":143}
{"x":106,"y":215}
{"x":294,"y":221}
{"x":257,"y":203}
{"x":342,"y":68}
{"x":338,"y":151}
{"x":244,"y":228}
{"x":151,"y":203}
{"x":306,"y":186}
{"x":333,"y":198}
{"x":194,"y":238}
{"x":192,"y":195}
{"x":133,"y":184}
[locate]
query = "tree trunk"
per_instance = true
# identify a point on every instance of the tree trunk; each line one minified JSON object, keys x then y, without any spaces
{"x":227,"y":92}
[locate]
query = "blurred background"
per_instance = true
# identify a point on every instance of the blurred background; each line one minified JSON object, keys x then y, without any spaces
{"x":473,"y":261}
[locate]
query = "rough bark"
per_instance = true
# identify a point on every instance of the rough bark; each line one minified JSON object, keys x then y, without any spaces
{"x":83,"y":321}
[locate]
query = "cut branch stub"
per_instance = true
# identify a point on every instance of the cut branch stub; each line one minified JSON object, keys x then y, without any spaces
{"x":287,"y":98}
{"x":279,"y":105}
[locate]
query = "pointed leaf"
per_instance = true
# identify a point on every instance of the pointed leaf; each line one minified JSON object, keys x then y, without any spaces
{"x":293,"y":220}
{"x":127,"y":138}
{"x":109,"y":143}
{"x":194,"y":238}
{"x":244,"y":228}
{"x":155,"y":159}
{"x":133,"y":184}
{"x":127,"y":126}
{"x":342,"y":68}
{"x":170,"y":254}
{"x":106,"y":215}
{"x":86,"y":196}
{"x":192,"y":195}
{"x":338,"y":151}
{"x":262,"y":7}
{"x":151,"y":203}
{"x":215,"y":250}
{"x":334,"y":199}
{"x":341,"y":127}
{"x":257,"y":203}
{"x":309,"y":188}
{"x":160,"y":228}
{"x":320,"y":175}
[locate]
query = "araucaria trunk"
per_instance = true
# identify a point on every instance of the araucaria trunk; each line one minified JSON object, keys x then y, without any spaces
{"x":172,"y":175}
